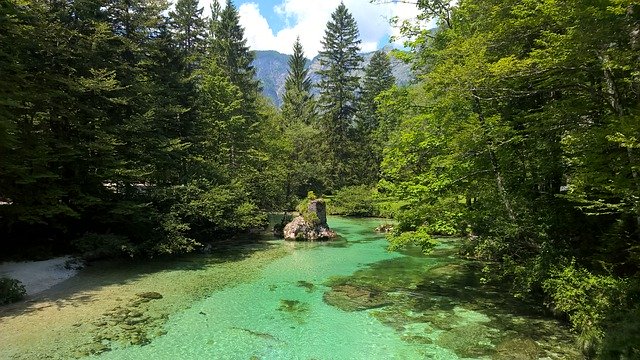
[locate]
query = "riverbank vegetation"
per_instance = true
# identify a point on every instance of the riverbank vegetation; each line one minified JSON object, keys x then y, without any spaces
{"x":522,"y":133}
{"x":132,"y":129}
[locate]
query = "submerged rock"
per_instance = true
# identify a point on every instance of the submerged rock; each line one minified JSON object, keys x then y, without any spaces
{"x":309,"y":287}
{"x":295,"y":310}
{"x":311,"y":225}
{"x":152,"y":295}
{"x":354,"y":298}
{"x":518,"y":349}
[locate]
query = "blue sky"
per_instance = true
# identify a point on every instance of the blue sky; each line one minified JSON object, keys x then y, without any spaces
{"x":274,"y":24}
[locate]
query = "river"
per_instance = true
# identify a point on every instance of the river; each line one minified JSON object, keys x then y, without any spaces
{"x":348,"y":299}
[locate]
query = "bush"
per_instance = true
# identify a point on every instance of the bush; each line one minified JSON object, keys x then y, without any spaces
{"x":363,"y":201}
{"x":303,"y":208}
{"x":588,"y":300}
{"x":11,"y":290}
{"x":420,"y":237}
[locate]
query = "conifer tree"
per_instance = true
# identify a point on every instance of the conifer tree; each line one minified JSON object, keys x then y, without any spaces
{"x":298,"y":104}
{"x":304,"y":153}
{"x":230,"y":49}
{"x":339,"y":84}
{"x":339,"y":60}
{"x":367,"y":157}
{"x":377,"y":78}
{"x":189,"y":29}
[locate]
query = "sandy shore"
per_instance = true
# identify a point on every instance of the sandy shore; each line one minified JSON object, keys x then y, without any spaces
{"x":38,"y":276}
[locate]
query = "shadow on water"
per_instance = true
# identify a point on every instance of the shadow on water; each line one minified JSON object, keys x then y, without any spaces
{"x":441,"y":301}
{"x":128,"y":301}
{"x":102,"y":273}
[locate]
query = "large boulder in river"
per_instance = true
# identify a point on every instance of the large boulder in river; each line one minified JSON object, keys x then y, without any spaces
{"x":311,"y":225}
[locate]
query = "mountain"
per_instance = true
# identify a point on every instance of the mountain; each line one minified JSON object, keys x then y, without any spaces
{"x":272,"y":68}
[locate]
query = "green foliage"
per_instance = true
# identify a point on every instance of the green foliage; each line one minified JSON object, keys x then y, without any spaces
{"x":353,"y":201}
{"x":228,"y":47}
{"x":113,"y":115}
{"x":309,"y":217}
{"x":11,"y":290}
{"x":100,"y":246}
{"x":303,"y":148}
{"x":444,"y":217}
{"x":420,"y":237}
{"x":298,"y":103}
{"x":622,"y":335}
{"x":303,"y":205}
{"x":362,"y":200}
{"x":377,"y":79}
{"x":522,"y":132}
{"x":588,"y":299}
{"x":339,"y":60}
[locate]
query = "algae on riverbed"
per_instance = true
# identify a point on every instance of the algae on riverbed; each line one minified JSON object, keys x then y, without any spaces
{"x":440,"y":302}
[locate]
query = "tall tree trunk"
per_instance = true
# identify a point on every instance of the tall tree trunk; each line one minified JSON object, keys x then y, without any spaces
{"x":495,"y":165}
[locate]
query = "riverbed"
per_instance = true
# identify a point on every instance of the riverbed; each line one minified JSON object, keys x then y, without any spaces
{"x":347,"y":299}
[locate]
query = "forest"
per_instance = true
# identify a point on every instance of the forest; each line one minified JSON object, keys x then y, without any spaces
{"x":138,"y":129}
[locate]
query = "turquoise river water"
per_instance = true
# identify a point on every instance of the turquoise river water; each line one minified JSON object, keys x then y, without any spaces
{"x":253,"y":321}
{"x":348,"y":299}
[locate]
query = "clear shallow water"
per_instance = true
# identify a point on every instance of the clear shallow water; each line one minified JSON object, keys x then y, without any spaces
{"x":430,"y":307}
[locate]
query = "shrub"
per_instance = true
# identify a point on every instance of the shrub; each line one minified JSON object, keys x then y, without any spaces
{"x":588,"y":300}
{"x":11,"y":290}
{"x":420,"y":237}
{"x":303,"y":208}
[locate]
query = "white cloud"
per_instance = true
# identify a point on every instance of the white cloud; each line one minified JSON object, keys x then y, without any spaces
{"x":308,"y":19}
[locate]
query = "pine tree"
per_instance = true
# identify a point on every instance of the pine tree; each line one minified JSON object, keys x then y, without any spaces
{"x":298,"y":104}
{"x":339,"y":84}
{"x":367,"y":157}
{"x":377,"y":78}
{"x":230,"y":49}
{"x":189,"y":29}
{"x":339,"y":60}
{"x":304,"y":153}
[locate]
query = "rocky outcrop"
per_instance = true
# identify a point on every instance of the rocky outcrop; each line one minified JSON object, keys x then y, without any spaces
{"x":311,"y":225}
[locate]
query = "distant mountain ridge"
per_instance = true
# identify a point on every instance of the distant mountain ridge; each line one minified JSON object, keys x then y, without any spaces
{"x":272,"y":68}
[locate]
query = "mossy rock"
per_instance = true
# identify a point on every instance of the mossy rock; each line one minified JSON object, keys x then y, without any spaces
{"x":349,"y":297}
{"x":293,"y":306}
{"x":517,"y":349}
{"x":295,"y":310}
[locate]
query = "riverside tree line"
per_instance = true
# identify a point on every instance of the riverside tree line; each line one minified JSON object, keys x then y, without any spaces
{"x":130,"y":129}
{"x":133,"y":128}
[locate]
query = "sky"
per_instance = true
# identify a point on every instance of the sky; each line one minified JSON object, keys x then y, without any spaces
{"x":275,"y":24}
